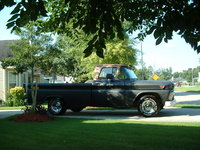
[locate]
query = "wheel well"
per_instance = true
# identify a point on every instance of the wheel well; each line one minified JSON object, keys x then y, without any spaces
{"x":48,"y":99}
{"x":137,"y":99}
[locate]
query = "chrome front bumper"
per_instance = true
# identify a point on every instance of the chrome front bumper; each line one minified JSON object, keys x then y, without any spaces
{"x":171,"y":96}
{"x":170,"y":103}
{"x":171,"y":100}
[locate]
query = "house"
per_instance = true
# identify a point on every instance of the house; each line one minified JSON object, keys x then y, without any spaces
{"x":199,"y":77}
{"x":8,"y":77}
{"x":58,"y":79}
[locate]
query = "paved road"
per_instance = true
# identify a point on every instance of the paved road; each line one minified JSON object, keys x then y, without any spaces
{"x":169,"y":114}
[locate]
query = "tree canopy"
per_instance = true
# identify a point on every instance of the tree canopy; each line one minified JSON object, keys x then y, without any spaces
{"x":82,"y":69}
{"x":104,"y":18}
{"x":30,"y":51}
{"x":64,"y":56}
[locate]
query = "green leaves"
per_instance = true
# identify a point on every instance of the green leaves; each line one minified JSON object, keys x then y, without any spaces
{"x":26,"y":11}
{"x":159,"y":40}
{"x":16,"y":9}
{"x":88,"y":51}
{"x":96,"y":44}
{"x":13,"y":17}
{"x":10,"y":25}
{"x":7,"y":3}
{"x":104,"y":18}
{"x":151,"y":30}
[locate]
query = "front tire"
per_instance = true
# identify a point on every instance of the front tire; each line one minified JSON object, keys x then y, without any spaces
{"x":56,"y":106}
{"x":149,"y":106}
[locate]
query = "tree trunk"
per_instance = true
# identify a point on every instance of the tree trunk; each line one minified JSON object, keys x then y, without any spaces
{"x":34,"y":89}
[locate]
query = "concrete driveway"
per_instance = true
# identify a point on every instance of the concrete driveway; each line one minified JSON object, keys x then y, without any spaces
{"x":169,"y":114}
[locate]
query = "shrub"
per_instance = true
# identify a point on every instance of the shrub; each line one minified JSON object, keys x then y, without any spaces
{"x":16,"y":97}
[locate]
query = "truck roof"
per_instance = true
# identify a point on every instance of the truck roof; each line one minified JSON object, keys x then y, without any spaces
{"x":111,"y":65}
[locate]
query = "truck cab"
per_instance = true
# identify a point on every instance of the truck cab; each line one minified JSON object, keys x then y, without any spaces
{"x":114,"y":71}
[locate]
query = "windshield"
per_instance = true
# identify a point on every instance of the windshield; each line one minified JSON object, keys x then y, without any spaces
{"x":128,"y":73}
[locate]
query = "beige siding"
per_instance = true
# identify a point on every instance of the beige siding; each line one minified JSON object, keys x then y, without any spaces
{"x":21,"y":79}
{"x":1,"y":84}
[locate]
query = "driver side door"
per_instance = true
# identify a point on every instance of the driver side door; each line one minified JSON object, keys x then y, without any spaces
{"x":108,"y":92}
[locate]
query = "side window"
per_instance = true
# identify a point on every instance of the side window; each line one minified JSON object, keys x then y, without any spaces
{"x":105,"y":71}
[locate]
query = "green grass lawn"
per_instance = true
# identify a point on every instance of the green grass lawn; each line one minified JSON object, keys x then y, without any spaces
{"x":188,"y":89}
{"x":11,"y":108}
{"x":82,"y":134}
{"x":187,"y":105}
{"x":15,"y":108}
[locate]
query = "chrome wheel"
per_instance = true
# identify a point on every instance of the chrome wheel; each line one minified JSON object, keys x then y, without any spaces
{"x":148,"y":106}
{"x":56,"y":106}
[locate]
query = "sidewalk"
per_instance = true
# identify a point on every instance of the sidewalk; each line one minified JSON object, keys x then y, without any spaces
{"x":8,"y":113}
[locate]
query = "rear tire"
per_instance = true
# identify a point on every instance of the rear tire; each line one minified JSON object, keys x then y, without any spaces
{"x":56,"y":106}
{"x":149,"y":106}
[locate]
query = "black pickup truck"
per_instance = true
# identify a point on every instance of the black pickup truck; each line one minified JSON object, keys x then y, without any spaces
{"x":114,"y":85}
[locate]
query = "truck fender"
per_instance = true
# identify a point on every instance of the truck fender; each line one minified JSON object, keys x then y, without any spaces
{"x":48,"y":98}
{"x":141,"y":94}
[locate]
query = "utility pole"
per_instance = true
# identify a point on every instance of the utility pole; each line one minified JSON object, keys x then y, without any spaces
{"x":199,"y":60}
{"x":142,"y":61}
{"x":192,"y":76}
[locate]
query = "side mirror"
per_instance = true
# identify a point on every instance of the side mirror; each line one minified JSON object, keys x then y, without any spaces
{"x":110,"y":76}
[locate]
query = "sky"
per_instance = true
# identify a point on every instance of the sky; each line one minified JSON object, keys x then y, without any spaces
{"x":176,"y":54}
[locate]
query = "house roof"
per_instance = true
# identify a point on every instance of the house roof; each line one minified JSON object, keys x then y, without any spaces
{"x":4,"y":50}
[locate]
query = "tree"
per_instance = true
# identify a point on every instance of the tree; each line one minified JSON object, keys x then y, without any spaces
{"x":145,"y":74}
{"x":117,"y":52}
{"x":176,"y":74}
{"x":104,"y":19}
{"x":24,"y":57}
{"x":191,"y":74}
{"x":55,"y":62}
{"x":165,"y":74}
{"x":28,"y":54}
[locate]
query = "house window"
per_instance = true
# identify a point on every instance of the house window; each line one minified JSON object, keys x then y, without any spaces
{"x":23,"y":78}
{"x":11,"y":80}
